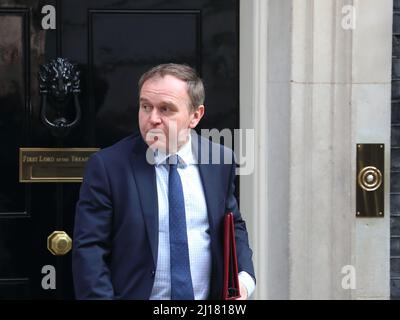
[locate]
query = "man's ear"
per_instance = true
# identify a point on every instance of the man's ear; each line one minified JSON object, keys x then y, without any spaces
{"x":196,"y":116}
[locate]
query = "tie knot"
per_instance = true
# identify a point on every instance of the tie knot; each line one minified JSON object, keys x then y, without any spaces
{"x":173,"y":160}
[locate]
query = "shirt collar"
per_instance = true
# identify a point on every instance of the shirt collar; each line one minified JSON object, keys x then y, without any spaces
{"x":185,"y":154}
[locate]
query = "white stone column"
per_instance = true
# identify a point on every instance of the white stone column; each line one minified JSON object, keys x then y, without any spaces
{"x":340,"y":96}
{"x":253,"y":77}
{"x":312,"y":88}
{"x":371,"y":93}
{"x":265,"y":106}
{"x":321,"y":215}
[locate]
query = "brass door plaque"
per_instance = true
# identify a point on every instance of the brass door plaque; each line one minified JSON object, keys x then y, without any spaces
{"x":53,"y":164}
{"x":370,"y":180}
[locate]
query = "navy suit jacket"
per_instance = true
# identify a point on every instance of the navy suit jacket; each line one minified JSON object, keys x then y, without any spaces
{"x":116,"y":223}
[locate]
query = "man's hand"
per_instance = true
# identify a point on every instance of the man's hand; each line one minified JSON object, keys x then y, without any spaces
{"x":243,"y":291}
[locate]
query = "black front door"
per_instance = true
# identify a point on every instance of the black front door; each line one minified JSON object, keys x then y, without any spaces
{"x":112,"y":43}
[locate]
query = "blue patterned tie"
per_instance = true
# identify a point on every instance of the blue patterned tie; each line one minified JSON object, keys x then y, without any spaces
{"x":181,"y":280}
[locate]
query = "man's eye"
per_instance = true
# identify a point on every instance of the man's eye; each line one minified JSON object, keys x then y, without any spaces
{"x":146,"y":107}
{"x":164,"y":109}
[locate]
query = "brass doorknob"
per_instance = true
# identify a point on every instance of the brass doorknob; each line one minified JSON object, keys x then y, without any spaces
{"x":370,"y":178}
{"x":59,"y":243}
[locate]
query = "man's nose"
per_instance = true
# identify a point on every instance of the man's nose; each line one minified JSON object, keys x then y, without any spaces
{"x":155,"y":117}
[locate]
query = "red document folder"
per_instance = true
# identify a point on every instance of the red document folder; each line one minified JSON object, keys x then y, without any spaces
{"x":231,"y":289}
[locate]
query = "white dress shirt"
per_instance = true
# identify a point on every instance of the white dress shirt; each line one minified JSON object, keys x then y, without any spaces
{"x":197,"y":228}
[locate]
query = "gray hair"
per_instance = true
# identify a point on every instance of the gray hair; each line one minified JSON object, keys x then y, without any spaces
{"x":195,"y":87}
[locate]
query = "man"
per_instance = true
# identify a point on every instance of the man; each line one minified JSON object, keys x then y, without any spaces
{"x":149,"y":220}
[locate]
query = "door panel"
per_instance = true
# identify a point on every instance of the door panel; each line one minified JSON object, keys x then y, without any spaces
{"x":14,"y":47}
{"x":113,"y":43}
{"x":119,"y":53}
{"x":14,"y":198}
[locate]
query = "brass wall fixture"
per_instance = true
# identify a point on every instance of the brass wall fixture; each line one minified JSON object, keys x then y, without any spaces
{"x":59,"y":243}
{"x":370,"y":180}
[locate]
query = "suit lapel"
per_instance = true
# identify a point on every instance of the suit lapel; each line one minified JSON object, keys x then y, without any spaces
{"x":209,"y":178}
{"x":145,"y":177}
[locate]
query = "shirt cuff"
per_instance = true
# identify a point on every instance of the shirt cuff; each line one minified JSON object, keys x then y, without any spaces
{"x":248,"y":282}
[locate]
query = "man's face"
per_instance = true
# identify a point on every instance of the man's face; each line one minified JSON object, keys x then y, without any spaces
{"x":164,"y":113}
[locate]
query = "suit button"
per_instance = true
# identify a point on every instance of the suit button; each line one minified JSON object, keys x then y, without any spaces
{"x":153,"y":273}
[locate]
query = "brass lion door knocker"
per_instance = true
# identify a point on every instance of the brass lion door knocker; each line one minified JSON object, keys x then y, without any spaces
{"x":58,"y":83}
